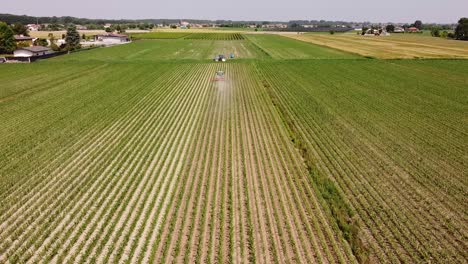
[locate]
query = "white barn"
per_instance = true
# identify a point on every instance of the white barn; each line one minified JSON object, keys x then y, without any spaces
{"x":32,"y":51}
{"x":112,"y":39}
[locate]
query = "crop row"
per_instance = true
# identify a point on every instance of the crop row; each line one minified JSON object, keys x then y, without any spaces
{"x":179,"y":168}
{"x":374,"y":158}
{"x":215,"y":36}
{"x":88,"y":156}
{"x":250,"y":182}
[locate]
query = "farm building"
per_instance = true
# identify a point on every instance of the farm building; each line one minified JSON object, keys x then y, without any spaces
{"x":32,"y":51}
{"x":112,"y":39}
{"x":24,"y":39}
{"x":413,"y":29}
{"x":33,"y":27}
{"x":376,"y":32}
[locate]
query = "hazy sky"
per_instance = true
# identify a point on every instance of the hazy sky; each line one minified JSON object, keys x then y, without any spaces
{"x":442,"y":11}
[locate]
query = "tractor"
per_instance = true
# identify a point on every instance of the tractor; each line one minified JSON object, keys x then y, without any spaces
{"x":220,"y":58}
{"x":219,"y":76}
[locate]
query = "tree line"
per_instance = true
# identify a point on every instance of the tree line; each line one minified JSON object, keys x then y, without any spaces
{"x":8,"y":42}
{"x":443,"y":31}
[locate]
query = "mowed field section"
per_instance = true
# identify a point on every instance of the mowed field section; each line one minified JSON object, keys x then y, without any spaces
{"x":390,"y":47}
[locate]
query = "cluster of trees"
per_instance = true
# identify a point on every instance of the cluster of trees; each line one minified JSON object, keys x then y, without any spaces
{"x":7,"y":36}
{"x":438,"y":32}
{"x":99,"y":23}
{"x":8,"y":43}
{"x":460,"y":33}
{"x":121,"y":28}
{"x":13,"y":19}
{"x":442,"y":31}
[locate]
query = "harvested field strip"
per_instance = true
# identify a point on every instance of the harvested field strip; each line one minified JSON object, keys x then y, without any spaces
{"x":386,"y":48}
{"x":325,"y":122}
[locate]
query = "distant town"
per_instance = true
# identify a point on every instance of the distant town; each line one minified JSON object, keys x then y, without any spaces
{"x":58,"y":23}
{"x":23,"y":41}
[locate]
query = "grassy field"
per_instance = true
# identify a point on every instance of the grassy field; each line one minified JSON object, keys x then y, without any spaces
{"x":390,"y":47}
{"x":302,"y":154}
{"x":279,"y":47}
{"x":169,"y":49}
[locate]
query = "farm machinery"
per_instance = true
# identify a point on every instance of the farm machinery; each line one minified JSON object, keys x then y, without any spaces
{"x":220,"y":58}
{"x":219,"y":76}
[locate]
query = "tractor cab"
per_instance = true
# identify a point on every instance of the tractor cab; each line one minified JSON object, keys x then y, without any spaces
{"x":219,"y":76}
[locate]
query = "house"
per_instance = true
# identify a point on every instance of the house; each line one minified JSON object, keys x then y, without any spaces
{"x":376,"y":32}
{"x":24,"y":40}
{"x":58,"y":42}
{"x":399,"y":30}
{"x":33,"y":27}
{"x":413,"y":30}
{"x":32,"y":51}
{"x":112,"y":39}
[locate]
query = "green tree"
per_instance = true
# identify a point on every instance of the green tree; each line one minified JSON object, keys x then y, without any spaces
{"x":72,"y":39}
{"x":120,"y":28}
{"x":294,"y":25}
{"x":51,"y":37}
{"x":444,"y":34}
{"x":22,"y":44}
{"x":461,"y":32}
{"x":41,"y":42}
{"x":364,"y":30}
{"x":418,"y":24}
{"x":435,"y":32}
{"x":390,"y":28}
{"x":108,"y":30}
{"x":53,"y":45}
{"x":53,"y":27}
{"x":20,"y":29}
{"x":7,"y":39}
